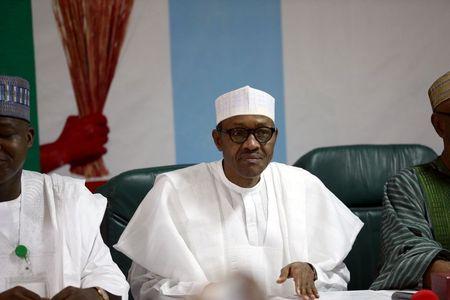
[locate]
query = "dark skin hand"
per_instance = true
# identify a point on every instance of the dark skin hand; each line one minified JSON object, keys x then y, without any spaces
{"x":69,"y":293}
{"x":17,"y":293}
{"x":73,"y":293}
{"x":303,"y":277}
{"x":438,"y":266}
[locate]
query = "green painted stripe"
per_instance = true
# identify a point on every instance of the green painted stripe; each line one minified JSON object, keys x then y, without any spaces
{"x":17,"y":58}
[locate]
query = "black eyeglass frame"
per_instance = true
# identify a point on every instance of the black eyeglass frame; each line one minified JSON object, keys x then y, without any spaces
{"x":442,"y":113}
{"x":248,"y":131}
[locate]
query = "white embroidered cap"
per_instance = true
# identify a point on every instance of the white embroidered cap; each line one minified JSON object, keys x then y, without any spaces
{"x":244,"y":101}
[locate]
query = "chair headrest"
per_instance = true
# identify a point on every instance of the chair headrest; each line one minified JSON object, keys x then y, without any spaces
{"x":126,"y":190}
{"x":356,"y":174}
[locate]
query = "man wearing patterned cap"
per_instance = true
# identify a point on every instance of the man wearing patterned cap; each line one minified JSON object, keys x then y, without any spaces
{"x":50,"y":243}
{"x":416,"y":224}
{"x":243,"y":213}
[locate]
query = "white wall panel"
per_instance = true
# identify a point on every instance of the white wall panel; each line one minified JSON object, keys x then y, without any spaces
{"x":358,"y":71}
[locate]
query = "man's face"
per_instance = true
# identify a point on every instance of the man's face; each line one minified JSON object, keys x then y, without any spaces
{"x":16,"y":137}
{"x":243,"y":163}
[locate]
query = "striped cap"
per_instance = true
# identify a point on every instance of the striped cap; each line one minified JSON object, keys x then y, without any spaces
{"x":244,"y":101}
{"x":14,"y":97}
{"x":440,"y":90}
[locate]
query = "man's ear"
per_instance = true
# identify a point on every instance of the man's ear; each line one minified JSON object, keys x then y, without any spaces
{"x":30,"y":136}
{"x":217,"y":139}
{"x":438,"y":124}
{"x":276,"y":135}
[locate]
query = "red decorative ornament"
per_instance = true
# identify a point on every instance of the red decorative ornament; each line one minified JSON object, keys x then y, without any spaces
{"x":92,"y":33}
{"x":424,"y":295}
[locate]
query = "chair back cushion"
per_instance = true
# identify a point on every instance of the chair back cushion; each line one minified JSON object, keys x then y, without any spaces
{"x":124,"y":193}
{"x":356,"y":174}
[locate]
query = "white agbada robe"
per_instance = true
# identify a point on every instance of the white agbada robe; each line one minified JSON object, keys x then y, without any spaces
{"x":58,"y":220}
{"x":196,"y":227}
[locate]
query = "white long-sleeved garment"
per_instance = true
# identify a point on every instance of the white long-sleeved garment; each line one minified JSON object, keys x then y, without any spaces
{"x":58,"y":220}
{"x":196,"y":227}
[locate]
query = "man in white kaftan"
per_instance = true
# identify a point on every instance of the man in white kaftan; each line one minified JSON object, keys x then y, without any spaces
{"x":59,"y":224}
{"x":50,"y":243}
{"x":242,"y":214}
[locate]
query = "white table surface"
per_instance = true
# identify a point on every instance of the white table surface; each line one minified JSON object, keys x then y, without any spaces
{"x":347,"y":295}
{"x":350,"y":295}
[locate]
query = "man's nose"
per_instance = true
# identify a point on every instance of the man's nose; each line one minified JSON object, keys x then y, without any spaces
{"x":251,"y":143}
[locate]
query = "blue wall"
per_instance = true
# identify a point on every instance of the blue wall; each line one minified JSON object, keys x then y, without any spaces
{"x":218,"y":46}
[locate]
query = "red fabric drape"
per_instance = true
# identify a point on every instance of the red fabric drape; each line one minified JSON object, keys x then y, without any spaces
{"x":92,"y":33}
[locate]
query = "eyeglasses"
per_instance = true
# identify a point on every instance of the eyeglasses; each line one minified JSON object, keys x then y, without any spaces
{"x":240,"y":135}
{"x":442,"y":113}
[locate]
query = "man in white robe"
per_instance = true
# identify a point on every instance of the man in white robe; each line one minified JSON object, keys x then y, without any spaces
{"x":50,"y":243}
{"x":242,"y":214}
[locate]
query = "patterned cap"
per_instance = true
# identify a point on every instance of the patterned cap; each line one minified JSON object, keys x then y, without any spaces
{"x":244,"y":101}
{"x":440,"y":90}
{"x":14,"y":97}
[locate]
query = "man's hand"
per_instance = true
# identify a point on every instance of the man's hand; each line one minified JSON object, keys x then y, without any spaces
{"x":438,"y":266}
{"x":303,"y":276}
{"x":19,"y":292}
{"x":73,"y":293}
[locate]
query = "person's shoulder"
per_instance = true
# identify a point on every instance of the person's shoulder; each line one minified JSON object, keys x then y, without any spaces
{"x":187,"y":171}
{"x":32,"y":175}
{"x":185,"y":176}
{"x":58,"y":182}
{"x":33,"y":181}
{"x":284,"y":167}
{"x":404,"y":187}
{"x":403,"y":177}
{"x":72,"y":192}
{"x":65,"y":183}
{"x":408,"y":172}
{"x":291,"y":172}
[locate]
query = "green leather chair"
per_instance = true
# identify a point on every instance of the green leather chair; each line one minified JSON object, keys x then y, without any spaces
{"x":356,"y":174}
{"x":124,"y":193}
